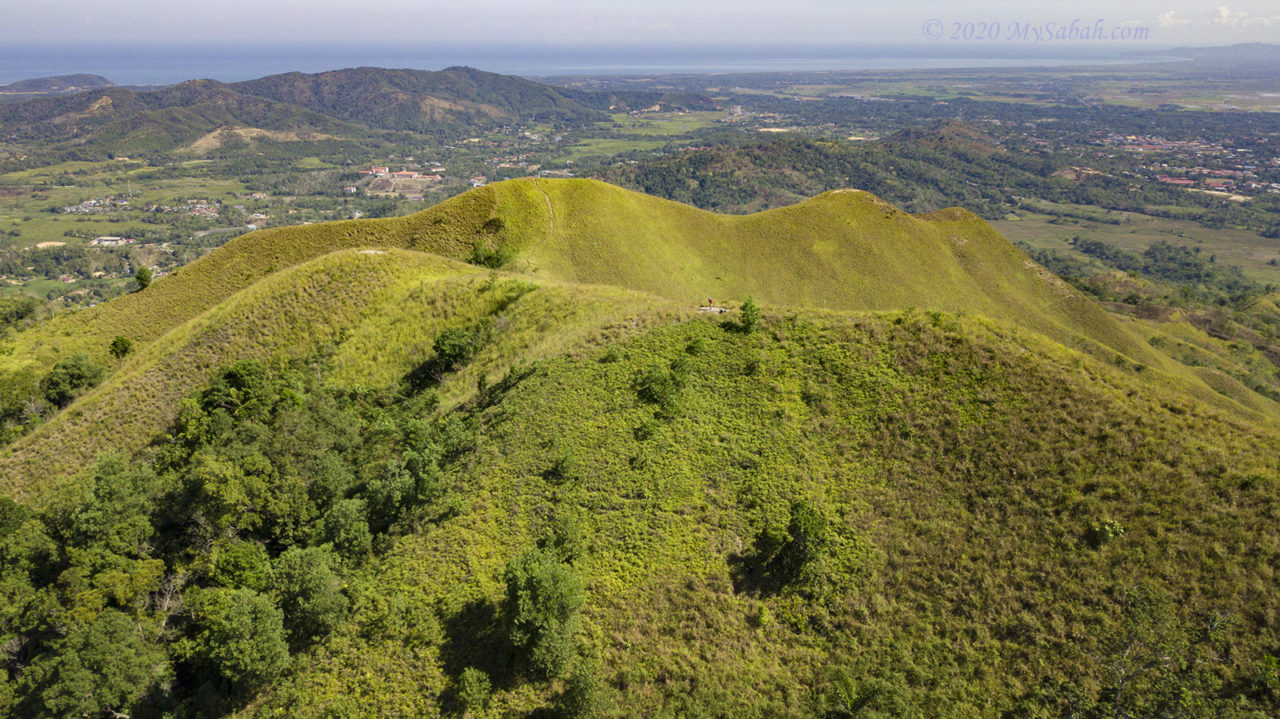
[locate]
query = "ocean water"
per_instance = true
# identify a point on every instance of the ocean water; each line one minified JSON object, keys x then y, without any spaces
{"x":135,"y":64}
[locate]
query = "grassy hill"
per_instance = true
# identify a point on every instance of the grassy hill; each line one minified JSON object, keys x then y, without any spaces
{"x":355,"y":475}
{"x":842,"y":250}
{"x":969,"y":472}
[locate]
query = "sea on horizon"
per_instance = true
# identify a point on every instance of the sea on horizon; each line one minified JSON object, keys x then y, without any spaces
{"x":161,"y":64}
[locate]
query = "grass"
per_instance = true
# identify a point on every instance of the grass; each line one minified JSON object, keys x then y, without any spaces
{"x":964,"y":422}
{"x":381,"y":314}
{"x":962,"y":570}
{"x":665,"y":124}
{"x":608,"y":147}
{"x":843,"y":250}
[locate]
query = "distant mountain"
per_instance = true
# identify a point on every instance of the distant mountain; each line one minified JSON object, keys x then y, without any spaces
{"x":944,"y":136}
{"x":134,"y":122}
{"x":420,"y":100}
{"x":57,"y":85}
{"x":1245,"y":56}
{"x":914,"y":168}
{"x":51,"y":86}
{"x":341,"y":103}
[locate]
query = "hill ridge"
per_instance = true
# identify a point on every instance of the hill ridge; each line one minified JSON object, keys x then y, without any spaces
{"x":842,"y":251}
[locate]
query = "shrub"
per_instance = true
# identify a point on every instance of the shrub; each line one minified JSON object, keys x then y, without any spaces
{"x":70,"y":377}
{"x":543,"y":603}
{"x":1104,"y":531}
{"x":564,"y":536}
{"x":120,"y":346}
{"x":492,"y":257}
{"x":564,"y":467}
{"x":1262,"y":680}
{"x":474,"y":692}
{"x":143,"y":277}
{"x":749,"y":317}
{"x":842,"y":696}
{"x":453,"y":347}
{"x":584,"y":691}
{"x":244,"y":387}
{"x":806,"y":539}
{"x":659,"y":385}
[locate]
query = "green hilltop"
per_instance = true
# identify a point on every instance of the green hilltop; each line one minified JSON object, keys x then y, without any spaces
{"x":349,"y":470}
{"x":843,"y":250}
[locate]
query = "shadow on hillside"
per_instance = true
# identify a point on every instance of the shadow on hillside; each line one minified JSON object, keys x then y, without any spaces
{"x":515,"y":374}
{"x":474,"y":637}
{"x":426,"y":375}
{"x":759,"y":571}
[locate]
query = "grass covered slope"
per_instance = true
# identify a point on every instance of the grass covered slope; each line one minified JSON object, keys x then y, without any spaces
{"x":373,"y":312}
{"x":844,"y":250}
{"x":1000,"y":514}
{"x":357,"y":477}
{"x":841,"y":250}
{"x":831,"y":514}
{"x":448,"y":229}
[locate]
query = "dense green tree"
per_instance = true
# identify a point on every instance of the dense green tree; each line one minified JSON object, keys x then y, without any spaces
{"x":543,"y":603}
{"x":115,"y":512}
{"x":25,"y":544}
{"x":70,"y":377}
{"x":15,"y":309}
{"x":390,"y":493}
{"x":143,"y":277}
{"x":8,"y":695}
{"x":346,"y":527}
{"x":240,"y":637}
{"x":104,"y":668}
{"x":310,"y":592}
{"x":241,"y":564}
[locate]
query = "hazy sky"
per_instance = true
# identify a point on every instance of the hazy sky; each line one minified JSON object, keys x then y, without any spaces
{"x":645,"y":22}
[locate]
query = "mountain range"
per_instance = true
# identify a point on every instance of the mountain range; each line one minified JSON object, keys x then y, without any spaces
{"x":451,"y":102}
